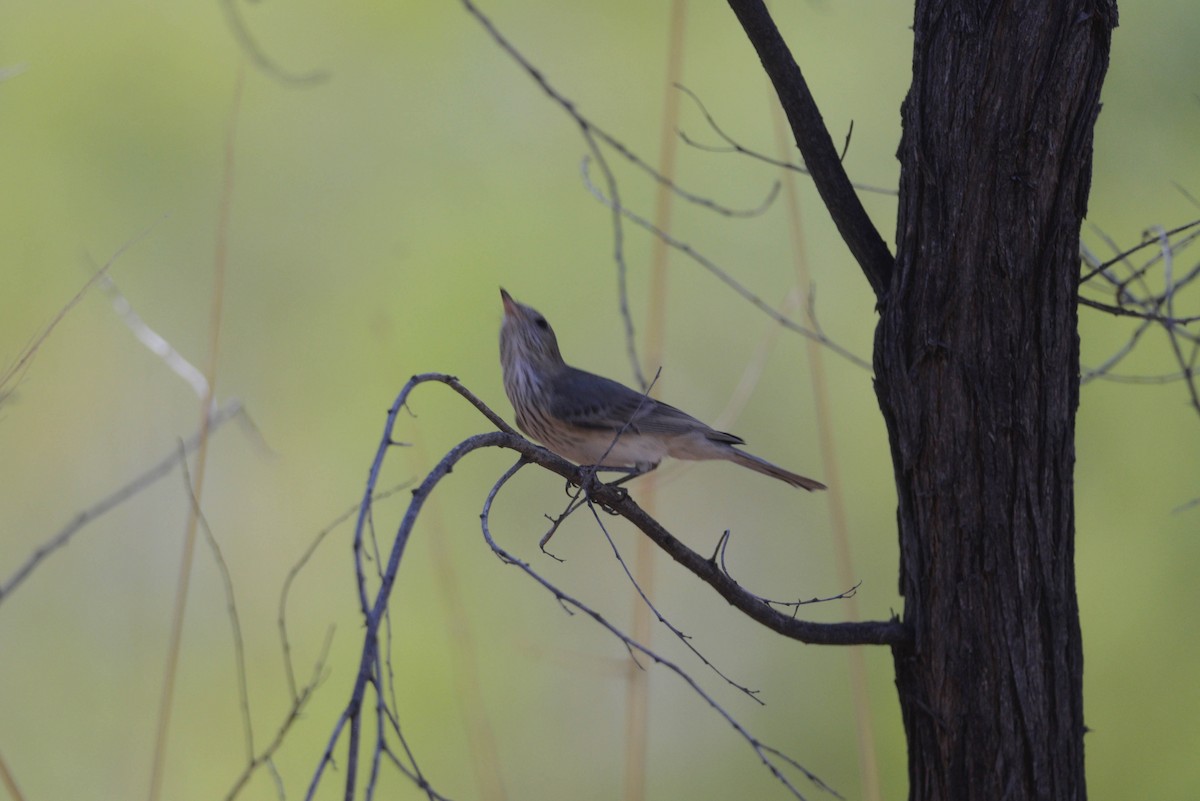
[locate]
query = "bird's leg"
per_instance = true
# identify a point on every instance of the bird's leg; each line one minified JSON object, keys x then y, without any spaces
{"x":639,"y":469}
{"x":634,"y":472}
{"x":588,"y":475}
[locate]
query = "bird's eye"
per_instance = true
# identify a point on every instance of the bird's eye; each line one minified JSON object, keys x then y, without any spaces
{"x":541,"y":323}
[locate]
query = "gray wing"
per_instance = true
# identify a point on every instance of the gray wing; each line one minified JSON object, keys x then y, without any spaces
{"x":587,"y":400}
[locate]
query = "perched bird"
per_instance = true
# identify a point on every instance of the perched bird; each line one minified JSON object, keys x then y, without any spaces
{"x":592,"y":420}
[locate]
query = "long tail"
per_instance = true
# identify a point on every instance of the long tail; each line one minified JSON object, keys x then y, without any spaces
{"x":768,"y":469}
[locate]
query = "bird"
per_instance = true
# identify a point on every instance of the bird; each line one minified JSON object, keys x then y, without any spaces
{"x":597,"y":422}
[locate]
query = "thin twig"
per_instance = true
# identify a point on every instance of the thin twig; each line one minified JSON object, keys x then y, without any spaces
{"x":765,"y":752}
{"x":235,"y":624}
{"x":258,"y":56}
{"x":299,"y":701}
{"x":1152,"y":306}
{"x":1121,"y":256}
{"x":31,"y":350}
{"x":294,"y":573}
{"x":683,"y":638}
{"x":816,"y":146}
{"x":723,"y":275}
{"x":733,"y":146}
{"x":110,"y":502}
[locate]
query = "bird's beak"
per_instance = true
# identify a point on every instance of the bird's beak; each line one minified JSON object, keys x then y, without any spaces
{"x":510,"y":306}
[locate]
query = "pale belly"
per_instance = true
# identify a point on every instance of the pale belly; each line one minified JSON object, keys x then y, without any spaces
{"x":599,"y":448}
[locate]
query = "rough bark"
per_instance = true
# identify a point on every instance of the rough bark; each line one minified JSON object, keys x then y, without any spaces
{"x":977,"y":373}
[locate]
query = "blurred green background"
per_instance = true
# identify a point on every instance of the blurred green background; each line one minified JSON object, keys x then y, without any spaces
{"x":373,"y":217}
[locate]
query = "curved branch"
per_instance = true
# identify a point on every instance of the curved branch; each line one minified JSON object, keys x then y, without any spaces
{"x":890,"y":632}
{"x":816,"y":145}
{"x":767,"y":754}
{"x":258,"y":56}
{"x":614,"y":498}
{"x":707,"y":569}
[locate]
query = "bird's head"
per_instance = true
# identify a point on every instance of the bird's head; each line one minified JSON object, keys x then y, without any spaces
{"x":526,"y":337}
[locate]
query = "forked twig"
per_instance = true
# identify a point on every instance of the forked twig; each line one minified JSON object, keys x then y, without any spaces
{"x":766,"y":753}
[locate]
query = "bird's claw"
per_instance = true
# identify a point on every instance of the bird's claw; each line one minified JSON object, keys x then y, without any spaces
{"x":621,"y":493}
{"x":590,"y":483}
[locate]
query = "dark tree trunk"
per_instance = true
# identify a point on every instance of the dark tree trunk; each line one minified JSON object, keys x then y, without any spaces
{"x":977,"y":373}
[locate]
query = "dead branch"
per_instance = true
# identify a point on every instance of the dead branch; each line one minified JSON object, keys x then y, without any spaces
{"x":110,"y":502}
{"x":612,"y":498}
{"x":816,"y":145}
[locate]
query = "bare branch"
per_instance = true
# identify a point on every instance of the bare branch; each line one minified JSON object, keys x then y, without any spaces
{"x":725,"y":277}
{"x":601,"y":135}
{"x":683,"y":638}
{"x":98,"y":509}
{"x":24,"y":359}
{"x":733,"y":146}
{"x":1096,"y":270}
{"x":293,"y":574}
{"x":235,"y":623}
{"x":719,"y":556}
{"x":613,"y":498}
{"x":890,"y":632}
{"x":765,"y":752}
{"x":816,"y":145}
{"x":299,"y":701}
{"x":1122,"y":311}
{"x":1149,"y":292}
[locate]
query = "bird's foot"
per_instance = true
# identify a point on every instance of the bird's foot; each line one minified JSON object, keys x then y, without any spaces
{"x":590,"y":484}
